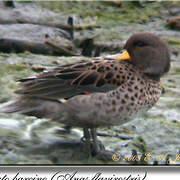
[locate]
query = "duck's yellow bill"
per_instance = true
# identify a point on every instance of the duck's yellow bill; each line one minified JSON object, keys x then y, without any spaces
{"x":123,"y":56}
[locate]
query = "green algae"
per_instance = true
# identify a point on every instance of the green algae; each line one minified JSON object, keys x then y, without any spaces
{"x":127,"y":12}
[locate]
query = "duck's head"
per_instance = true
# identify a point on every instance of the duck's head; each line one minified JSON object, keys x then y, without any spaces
{"x":148,"y":53}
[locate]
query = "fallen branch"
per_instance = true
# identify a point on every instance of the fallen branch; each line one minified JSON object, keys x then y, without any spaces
{"x":19,"y":46}
{"x":63,"y":50}
{"x":123,"y":137}
{"x":67,"y":27}
{"x":103,"y":46}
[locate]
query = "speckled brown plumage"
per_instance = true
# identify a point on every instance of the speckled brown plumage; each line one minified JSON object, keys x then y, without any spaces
{"x":101,"y":92}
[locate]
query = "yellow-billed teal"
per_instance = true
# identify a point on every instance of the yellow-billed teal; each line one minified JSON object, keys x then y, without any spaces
{"x":101,"y":92}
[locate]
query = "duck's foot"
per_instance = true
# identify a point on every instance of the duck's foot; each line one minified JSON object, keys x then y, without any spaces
{"x":86,"y":143}
{"x":97,"y":150}
{"x":92,"y":149}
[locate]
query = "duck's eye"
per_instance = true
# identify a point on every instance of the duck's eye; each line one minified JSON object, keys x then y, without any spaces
{"x":139,"y":43}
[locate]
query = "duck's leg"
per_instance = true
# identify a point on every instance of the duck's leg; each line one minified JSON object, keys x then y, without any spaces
{"x":95,"y":147}
{"x":98,"y":148}
{"x":87,"y":141}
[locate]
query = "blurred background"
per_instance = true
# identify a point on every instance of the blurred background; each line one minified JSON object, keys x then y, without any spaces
{"x":35,"y":36}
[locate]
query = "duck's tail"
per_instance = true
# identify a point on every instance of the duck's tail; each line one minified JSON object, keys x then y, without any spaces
{"x":41,"y":108}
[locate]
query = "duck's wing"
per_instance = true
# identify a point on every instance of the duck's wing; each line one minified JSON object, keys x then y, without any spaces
{"x":74,"y":79}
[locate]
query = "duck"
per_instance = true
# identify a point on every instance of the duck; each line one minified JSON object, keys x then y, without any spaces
{"x":101,"y":92}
